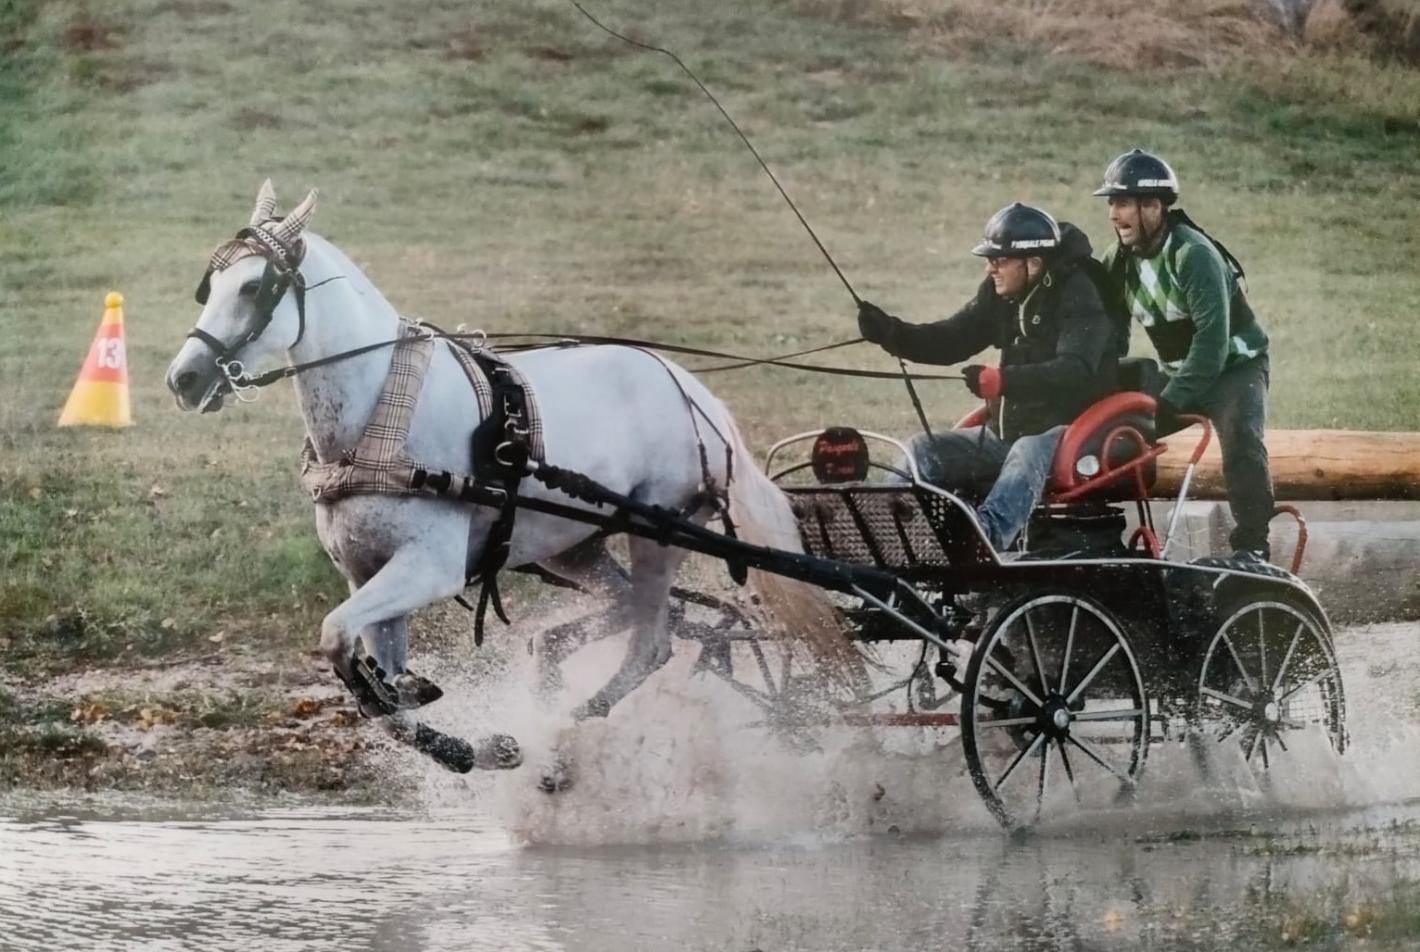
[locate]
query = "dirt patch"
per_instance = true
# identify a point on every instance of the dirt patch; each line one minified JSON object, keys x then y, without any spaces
{"x":1130,"y":36}
{"x":550,"y":54}
{"x":462,"y":45}
{"x":88,"y":33}
{"x":247,"y":119}
{"x":193,"y":9}
{"x":213,"y":724}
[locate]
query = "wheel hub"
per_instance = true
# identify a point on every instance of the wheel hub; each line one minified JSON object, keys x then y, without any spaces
{"x":1055,"y":716}
{"x":1266,"y":710}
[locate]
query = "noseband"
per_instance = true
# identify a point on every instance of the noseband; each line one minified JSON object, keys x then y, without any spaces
{"x":282,"y":274}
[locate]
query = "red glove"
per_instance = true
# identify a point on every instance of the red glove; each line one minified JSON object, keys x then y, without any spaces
{"x":985,"y":382}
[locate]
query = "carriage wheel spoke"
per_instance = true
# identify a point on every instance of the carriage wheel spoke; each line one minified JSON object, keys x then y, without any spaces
{"x":1120,"y":715}
{"x":764,"y":700}
{"x":1069,"y":646}
{"x":1090,"y":752}
{"x":1266,"y":764}
{"x":1035,"y":656}
{"x":1231,"y":730}
{"x":1262,"y":644}
{"x":1025,"y":752}
{"x":1256,"y":739}
{"x":1286,"y":659}
{"x":787,"y":653}
{"x":1044,"y":773}
{"x":1069,"y":772}
{"x":1251,"y":684}
{"x":1297,"y":689}
{"x":1009,"y":722}
{"x":764,"y":672}
{"x":1099,"y":666}
{"x":1015,"y":682}
{"x":1226,"y":698}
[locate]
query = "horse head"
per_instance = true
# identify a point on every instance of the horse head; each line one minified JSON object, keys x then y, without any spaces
{"x":253,"y":305}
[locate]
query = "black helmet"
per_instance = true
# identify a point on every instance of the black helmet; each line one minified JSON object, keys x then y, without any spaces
{"x":1019,"y":231}
{"x":1138,"y":174}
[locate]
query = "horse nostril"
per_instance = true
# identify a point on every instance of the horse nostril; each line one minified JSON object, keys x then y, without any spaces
{"x":185,"y":381}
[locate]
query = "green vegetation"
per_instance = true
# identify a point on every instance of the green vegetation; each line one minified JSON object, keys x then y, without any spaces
{"x":509,"y":167}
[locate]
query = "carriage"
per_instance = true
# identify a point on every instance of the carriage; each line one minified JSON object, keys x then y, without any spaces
{"x":1058,"y":664}
{"x":1061,"y":662}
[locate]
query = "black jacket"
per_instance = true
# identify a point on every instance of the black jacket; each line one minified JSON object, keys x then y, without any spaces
{"x":1057,"y":347}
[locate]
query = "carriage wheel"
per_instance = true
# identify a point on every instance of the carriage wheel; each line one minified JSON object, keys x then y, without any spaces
{"x":1269,"y":675}
{"x":1054,"y":701}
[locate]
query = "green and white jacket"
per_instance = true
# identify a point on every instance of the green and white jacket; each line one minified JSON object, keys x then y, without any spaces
{"x":1189,"y":301}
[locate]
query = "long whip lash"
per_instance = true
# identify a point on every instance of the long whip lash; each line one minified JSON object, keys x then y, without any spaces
{"x":906,"y":377}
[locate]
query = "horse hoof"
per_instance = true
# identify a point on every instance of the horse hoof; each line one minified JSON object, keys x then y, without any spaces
{"x":497,"y":752}
{"x":414,"y":690}
{"x":556,"y":777}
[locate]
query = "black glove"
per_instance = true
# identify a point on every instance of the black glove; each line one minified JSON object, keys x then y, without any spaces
{"x":876,"y":325}
{"x":986,"y":382}
{"x":1166,"y":419}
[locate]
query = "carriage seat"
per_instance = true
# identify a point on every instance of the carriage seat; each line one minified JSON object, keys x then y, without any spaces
{"x":1107,"y":453}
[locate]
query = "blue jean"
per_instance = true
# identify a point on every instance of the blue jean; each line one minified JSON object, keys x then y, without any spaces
{"x":976,"y":463}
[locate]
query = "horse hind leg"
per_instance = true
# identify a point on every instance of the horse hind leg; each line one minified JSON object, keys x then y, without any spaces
{"x":594,"y":569}
{"x":653,"y":568}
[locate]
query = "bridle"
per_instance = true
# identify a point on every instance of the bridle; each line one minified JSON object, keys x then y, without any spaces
{"x":282,"y":274}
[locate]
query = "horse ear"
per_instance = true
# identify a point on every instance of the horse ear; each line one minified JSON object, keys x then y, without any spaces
{"x":265,"y":209}
{"x":290,"y":228}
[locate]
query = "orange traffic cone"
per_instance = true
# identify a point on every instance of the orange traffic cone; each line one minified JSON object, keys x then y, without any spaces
{"x":100,"y":396}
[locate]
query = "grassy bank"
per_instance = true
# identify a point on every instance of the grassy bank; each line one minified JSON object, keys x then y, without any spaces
{"x":508,"y":167}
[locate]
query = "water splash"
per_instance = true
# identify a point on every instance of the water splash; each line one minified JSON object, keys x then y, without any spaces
{"x":686,"y":759}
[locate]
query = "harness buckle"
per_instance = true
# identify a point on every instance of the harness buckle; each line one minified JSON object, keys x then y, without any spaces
{"x":509,"y":446}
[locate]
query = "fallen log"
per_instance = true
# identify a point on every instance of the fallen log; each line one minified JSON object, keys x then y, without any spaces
{"x":1306,"y":464}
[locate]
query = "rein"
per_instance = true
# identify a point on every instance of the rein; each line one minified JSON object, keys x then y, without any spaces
{"x":240,"y":381}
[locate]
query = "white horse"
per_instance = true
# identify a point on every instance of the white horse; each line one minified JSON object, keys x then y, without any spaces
{"x":618,"y":415}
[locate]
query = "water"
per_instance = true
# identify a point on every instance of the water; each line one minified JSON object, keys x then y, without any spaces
{"x":688,"y":830}
{"x":71,"y":879}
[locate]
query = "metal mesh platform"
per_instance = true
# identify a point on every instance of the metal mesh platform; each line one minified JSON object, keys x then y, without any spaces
{"x":892,"y":527}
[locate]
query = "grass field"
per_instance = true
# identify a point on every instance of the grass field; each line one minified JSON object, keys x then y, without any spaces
{"x":506,"y":166}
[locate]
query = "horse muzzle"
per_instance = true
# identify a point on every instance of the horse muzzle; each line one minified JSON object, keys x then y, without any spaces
{"x":196,"y":387}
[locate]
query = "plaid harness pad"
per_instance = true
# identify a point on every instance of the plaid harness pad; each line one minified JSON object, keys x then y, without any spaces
{"x":379,"y":463}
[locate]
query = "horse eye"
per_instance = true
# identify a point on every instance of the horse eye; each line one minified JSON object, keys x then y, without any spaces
{"x":249,"y":289}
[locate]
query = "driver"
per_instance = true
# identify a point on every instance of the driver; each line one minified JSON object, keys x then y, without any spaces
{"x":1039,"y":306}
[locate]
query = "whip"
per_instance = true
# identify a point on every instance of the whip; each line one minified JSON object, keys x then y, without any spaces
{"x":902,"y":364}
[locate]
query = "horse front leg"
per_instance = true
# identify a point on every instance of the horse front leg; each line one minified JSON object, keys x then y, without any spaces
{"x":375,"y":614}
{"x":384,"y":666}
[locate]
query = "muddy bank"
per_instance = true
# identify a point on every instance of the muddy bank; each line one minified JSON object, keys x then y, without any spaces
{"x":220,"y":724}
{"x":246,"y":724}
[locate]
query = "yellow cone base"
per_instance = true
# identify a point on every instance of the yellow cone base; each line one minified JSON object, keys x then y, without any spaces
{"x":92,"y":403}
{"x":100,"y":397}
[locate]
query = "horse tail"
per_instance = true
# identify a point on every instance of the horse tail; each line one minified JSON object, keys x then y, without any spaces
{"x":793,"y":610}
